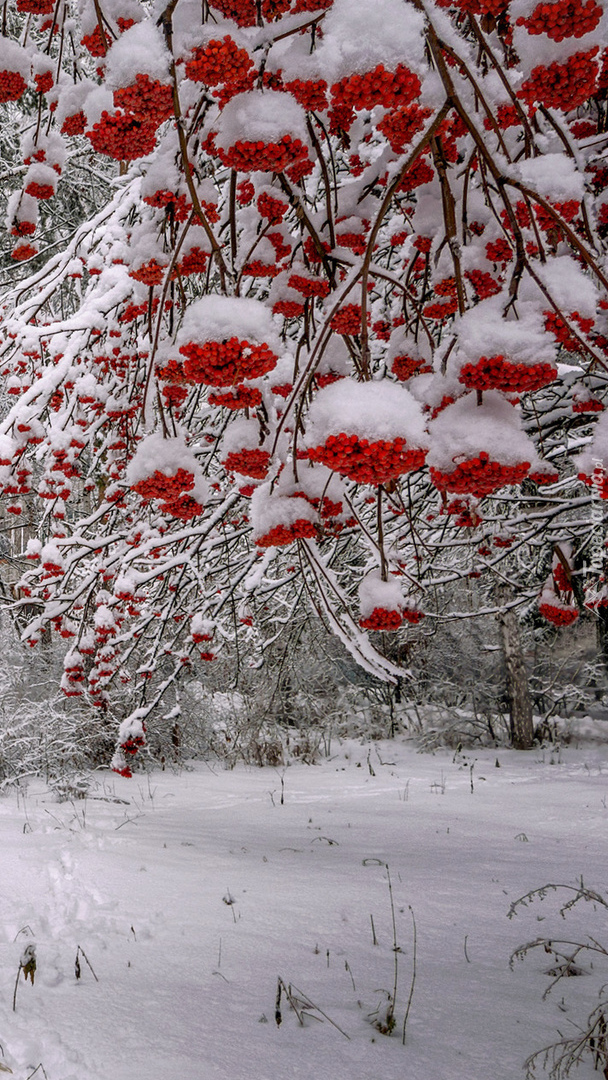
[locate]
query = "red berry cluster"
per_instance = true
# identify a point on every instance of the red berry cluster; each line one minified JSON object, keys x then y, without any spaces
{"x":246,"y":156}
{"x":499,"y":250}
{"x":588,"y":405}
{"x":404,"y":367}
{"x":193,"y":262}
{"x":245,"y":12}
{"x":598,"y":480}
{"x":341,"y":118}
{"x":172,"y":372}
{"x":150,"y":273}
{"x":498,"y":373}
{"x":174,"y":396}
{"x":23,"y":251}
{"x":382,"y":619}
{"x":400,"y":125}
{"x":356,"y":241}
{"x":310,"y":250}
{"x":176,"y":206}
{"x":561,"y":579}
{"x":558,"y":327}
{"x":44,"y":82}
{"x":311,"y":286}
{"x":347,"y":320}
{"x":563,"y":86}
{"x":148,"y":100}
{"x":133,"y":744}
{"x":559,"y":616}
{"x":290,"y":309}
{"x":584,"y":129}
{"x":36,"y":7}
{"x":12,"y":86}
{"x":301,"y":529}
{"x":595,"y":602}
{"x":74,"y":124}
{"x":438,"y":310}
{"x":272,"y":209}
{"x":506,"y":117}
{"x":220,"y":62}
{"x":184,"y":507}
{"x":282,"y":389}
{"x":310,"y":93}
{"x":123,"y":770}
{"x":382,"y":329}
{"x":419,"y":174}
{"x":484,"y":284}
{"x":40,"y":191}
{"x":466,"y":516}
{"x":377,"y":87}
{"x":161,"y":486}
{"x":326,"y":378}
{"x":93,"y":43}
{"x":245,"y":192}
{"x":259,"y":268}
{"x":240,"y":397}
{"x":412,"y":615}
{"x":564,"y":19}
{"x":52,"y":568}
{"x":248,"y":463}
{"x":122,"y":137}
{"x":367,"y":462}
{"x":224,"y":363}
{"x":281,"y":246}
{"x":568,"y":210}
{"x":479,"y":476}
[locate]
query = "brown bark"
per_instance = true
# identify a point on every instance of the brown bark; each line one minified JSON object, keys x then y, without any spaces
{"x":518,"y":691}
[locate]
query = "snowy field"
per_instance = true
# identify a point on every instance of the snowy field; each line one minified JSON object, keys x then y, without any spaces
{"x":191,"y":893}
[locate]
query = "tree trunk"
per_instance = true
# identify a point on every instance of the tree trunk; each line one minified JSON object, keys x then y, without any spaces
{"x":518,"y":692}
{"x":602,"y":635}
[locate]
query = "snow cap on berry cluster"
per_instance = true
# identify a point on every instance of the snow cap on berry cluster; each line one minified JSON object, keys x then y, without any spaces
{"x":554,"y":176}
{"x":157,"y":454}
{"x":100,"y":100}
{"x":265,"y":116}
{"x":21,"y":207}
{"x":241,"y":434}
{"x":465,"y":429}
{"x":370,"y":410}
{"x":132,"y":728}
{"x":546,"y":47}
{"x":216,"y":318}
{"x":482,"y":331}
{"x":141,"y":50}
{"x":269,"y":511}
{"x":125,"y":10}
{"x":314,"y":482}
{"x":336,"y":358}
{"x":402,"y":347}
{"x":14,"y":58}
{"x":567,"y":283}
{"x":188,"y":36}
{"x":358,"y":37}
{"x":376,"y":593}
{"x":71,"y":98}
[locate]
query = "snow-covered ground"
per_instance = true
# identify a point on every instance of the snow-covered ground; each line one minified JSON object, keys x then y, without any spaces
{"x":191,"y":893}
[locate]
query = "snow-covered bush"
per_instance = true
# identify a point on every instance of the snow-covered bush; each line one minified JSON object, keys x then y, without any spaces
{"x":247,"y":242}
